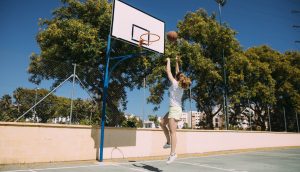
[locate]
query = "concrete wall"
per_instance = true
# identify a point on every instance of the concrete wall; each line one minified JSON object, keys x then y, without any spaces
{"x":28,"y":143}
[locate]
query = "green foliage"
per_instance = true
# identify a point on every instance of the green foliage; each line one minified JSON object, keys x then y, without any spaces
{"x":84,"y":111}
{"x":200,"y":49}
{"x":8,"y":111}
{"x":77,"y":33}
{"x":132,"y":122}
{"x":154,"y":118}
{"x":185,"y":126}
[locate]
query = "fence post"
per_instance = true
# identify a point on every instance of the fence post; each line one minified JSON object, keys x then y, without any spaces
{"x":74,"y":75}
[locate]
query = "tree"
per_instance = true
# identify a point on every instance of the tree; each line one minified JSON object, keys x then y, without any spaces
{"x":132,"y":122}
{"x":287,"y":75}
{"x":213,"y":39}
{"x":62,"y":107}
{"x":260,"y":81}
{"x":84,"y":111}
{"x":25,"y":99}
{"x":7,"y":110}
{"x":238,"y":69}
{"x":200,"y":50}
{"x":154,"y":118}
{"x":77,"y":33}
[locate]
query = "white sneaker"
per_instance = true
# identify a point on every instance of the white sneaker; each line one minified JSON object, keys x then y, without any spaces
{"x":171,"y":158}
{"x":166,"y":146}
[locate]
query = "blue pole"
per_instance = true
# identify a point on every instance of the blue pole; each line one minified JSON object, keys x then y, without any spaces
{"x":105,"y":86}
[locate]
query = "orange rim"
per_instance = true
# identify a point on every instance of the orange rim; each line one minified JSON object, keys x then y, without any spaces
{"x":149,"y":41}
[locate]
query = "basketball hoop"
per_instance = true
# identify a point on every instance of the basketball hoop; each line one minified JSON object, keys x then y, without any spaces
{"x":147,"y":40}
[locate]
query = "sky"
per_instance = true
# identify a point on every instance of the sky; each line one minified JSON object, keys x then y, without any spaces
{"x":257,"y":22}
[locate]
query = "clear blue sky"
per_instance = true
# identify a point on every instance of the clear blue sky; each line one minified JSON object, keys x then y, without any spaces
{"x":257,"y":22}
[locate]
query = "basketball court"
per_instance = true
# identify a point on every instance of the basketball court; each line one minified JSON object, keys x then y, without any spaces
{"x":276,"y":160}
{"x":135,"y":27}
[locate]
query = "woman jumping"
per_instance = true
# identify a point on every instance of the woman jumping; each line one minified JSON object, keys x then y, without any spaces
{"x":178,"y":85}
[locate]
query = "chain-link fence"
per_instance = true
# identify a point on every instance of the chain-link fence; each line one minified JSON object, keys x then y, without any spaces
{"x":69,"y":93}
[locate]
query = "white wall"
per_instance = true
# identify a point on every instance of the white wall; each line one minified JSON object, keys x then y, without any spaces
{"x":29,"y":143}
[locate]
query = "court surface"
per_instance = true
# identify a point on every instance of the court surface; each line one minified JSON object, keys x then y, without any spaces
{"x":279,"y":160}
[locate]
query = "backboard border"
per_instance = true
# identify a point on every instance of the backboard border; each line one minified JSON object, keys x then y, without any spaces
{"x":112,"y":21}
{"x":134,"y":25}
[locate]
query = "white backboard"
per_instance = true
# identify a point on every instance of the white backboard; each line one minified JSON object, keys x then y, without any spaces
{"x":129,"y":23}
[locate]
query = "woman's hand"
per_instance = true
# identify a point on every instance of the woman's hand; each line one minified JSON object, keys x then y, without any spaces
{"x":168,"y":70}
{"x":177,"y":64}
{"x":168,"y":63}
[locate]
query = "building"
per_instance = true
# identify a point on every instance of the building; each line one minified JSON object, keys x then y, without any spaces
{"x":190,"y":119}
{"x":130,"y":116}
{"x":148,"y":124}
{"x":218,"y":121}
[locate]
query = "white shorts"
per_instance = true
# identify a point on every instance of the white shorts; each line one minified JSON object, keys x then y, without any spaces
{"x":175,"y":112}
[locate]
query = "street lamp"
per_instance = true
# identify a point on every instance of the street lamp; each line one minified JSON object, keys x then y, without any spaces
{"x":270,"y":127}
{"x":34,"y":110}
{"x":297,"y":121}
{"x":191,"y":107}
{"x":284,"y":119}
{"x":225,"y":109}
{"x":250,"y":112}
{"x":280,"y":97}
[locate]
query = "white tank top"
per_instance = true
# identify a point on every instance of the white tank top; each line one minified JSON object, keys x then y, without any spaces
{"x":175,"y":94}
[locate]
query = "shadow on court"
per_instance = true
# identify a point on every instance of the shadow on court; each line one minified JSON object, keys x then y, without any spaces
{"x":148,"y":167}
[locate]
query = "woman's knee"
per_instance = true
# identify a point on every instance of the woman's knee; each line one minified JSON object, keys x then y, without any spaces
{"x":172,"y":125}
{"x":163,"y":123}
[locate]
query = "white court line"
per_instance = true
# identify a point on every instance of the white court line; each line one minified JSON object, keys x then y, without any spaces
{"x":100,"y":164}
{"x":59,"y":168}
{"x":278,"y":153}
{"x":281,"y":155}
{"x":54,"y":168}
{"x":208,"y":166}
{"x":219,"y":155}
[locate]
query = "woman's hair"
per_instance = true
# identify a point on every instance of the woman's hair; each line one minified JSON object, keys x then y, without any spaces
{"x":184,"y":82}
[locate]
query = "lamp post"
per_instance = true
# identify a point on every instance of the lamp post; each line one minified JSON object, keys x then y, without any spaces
{"x":221,"y":3}
{"x":296,"y":26}
{"x":297,"y":121}
{"x":280,"y":97}
{"x":191,"y":107}
{"x":34,"y":110}
{"x":250,"y":114}
{"x":270,"y":127}
{"x":284,"y":119}
{"x":71,"y":109}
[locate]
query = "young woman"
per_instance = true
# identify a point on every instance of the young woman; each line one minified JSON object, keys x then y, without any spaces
{"x":178,"y":85}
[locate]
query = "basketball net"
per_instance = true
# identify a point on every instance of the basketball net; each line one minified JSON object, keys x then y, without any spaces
{"x":148,"y":41}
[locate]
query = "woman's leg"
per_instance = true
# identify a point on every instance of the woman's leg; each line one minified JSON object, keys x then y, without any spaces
{"x":172,"y":128}
{"x":163,"y":124}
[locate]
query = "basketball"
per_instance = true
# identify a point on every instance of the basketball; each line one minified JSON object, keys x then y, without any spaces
{"x":172,"y":36}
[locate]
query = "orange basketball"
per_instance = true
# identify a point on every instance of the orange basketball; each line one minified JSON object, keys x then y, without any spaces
{"x":172,"y":36}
